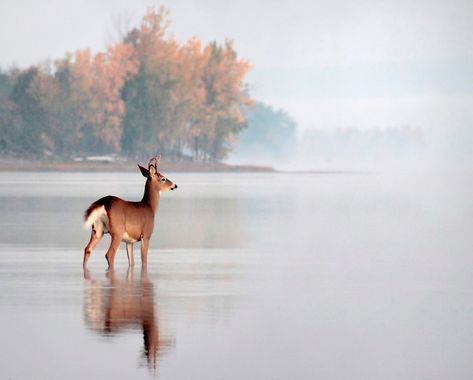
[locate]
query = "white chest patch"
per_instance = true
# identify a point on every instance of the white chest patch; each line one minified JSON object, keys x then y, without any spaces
{"x":128,"y":239}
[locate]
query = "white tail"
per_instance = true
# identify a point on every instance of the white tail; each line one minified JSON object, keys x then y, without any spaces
{"x":98,"y":214}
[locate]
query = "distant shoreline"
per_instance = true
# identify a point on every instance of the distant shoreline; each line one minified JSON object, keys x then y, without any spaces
{"x":11,"y":165}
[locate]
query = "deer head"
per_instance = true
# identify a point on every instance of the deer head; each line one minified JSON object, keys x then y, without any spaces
{"x":157,"y":181}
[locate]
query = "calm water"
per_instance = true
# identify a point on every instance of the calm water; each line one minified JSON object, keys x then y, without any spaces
{"x":251,"y":276}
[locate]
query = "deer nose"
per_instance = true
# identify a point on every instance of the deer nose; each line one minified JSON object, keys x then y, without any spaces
{"x":174,"y":187}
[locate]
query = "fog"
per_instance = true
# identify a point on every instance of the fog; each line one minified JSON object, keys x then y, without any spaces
{"x":332,"y":66}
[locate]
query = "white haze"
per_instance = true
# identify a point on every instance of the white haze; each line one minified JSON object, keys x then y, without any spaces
{"x":331,"y":64}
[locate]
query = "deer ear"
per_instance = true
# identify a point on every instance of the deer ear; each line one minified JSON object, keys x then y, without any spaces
{"x":144,"y":171}
{"x":152,"y":171}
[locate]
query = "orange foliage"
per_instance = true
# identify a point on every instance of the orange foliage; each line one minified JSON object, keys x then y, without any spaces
{"x":111,"y":69}
{"x":196,"y":94}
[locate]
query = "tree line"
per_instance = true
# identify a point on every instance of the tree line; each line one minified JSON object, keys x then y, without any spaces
{"x":146,"y":93}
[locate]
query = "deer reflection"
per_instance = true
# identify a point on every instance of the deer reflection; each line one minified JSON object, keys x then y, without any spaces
{"x":124,"y":304}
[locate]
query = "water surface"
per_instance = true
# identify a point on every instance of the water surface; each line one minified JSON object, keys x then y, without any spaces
{"x":258,"y":276}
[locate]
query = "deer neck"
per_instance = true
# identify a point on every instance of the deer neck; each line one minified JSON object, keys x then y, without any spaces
{"x":151,"y":197}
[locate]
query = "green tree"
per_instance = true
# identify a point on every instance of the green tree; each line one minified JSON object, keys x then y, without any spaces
{"x":270,"y":133}
{"x":30,"y":121}
{"x":6,"y":86}
{"x":142,"y":109}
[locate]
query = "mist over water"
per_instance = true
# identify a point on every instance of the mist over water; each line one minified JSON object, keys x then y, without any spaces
{"x":272,"y":275}
{"x":440,"y":149}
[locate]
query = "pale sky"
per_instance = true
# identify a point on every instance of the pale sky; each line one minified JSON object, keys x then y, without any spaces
{"x":330,"y":64}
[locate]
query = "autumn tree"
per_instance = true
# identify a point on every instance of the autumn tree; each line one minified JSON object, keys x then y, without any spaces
{"x":186,"y":97}
{"x":83,"y":101}
{"x":225,"y":99}
{"x":110,"y":71}
{"x":147,"y":127}
{"x":145,"y":94}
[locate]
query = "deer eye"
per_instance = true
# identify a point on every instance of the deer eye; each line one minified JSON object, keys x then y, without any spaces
{"x":163,"y":180}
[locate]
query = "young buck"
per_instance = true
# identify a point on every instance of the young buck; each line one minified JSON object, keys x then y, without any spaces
{"x":127,"y":221}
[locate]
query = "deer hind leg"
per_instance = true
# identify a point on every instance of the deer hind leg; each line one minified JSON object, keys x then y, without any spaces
{"x":94,"y":239}
{"x":129,"y":252}
{"x":112,"y":250}
{"x":144,"y":251}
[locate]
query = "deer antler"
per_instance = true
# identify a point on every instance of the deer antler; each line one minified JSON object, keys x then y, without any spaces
{"x":154,"y":161}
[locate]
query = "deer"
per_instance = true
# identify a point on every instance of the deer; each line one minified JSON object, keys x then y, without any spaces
{"x":127,"y":221}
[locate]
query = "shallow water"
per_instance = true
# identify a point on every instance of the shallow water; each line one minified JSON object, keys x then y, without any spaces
{"x":258,"y":276}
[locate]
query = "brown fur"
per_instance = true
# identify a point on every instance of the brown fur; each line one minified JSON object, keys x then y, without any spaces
{"x":128,"y":221}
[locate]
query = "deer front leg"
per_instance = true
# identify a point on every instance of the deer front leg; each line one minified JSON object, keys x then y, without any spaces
{"x":112,"y":250}
{"x":129,"y":252}
{"x":144,"y":251}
